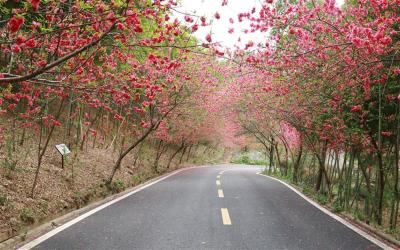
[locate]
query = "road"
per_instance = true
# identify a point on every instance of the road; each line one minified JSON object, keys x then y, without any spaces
{"x":221,"y":207}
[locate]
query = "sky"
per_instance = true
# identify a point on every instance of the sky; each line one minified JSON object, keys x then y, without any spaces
{"x":219,"y":28}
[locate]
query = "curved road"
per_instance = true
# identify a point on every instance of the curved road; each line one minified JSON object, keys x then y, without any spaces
{"x":220,"y":207}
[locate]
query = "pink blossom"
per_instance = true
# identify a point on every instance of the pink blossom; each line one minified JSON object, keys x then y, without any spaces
{"x":355,"y":108}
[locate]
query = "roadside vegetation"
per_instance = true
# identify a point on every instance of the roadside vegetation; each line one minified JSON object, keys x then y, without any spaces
{"x":248,"y":158}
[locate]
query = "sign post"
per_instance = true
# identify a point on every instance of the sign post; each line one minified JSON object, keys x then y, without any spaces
{"x":63,"y":150}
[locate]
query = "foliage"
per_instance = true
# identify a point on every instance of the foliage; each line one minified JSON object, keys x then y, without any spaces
{"x":246,"y":159}
{"x":321,"y":198}
{"x":27,"y":216}
{"x":78,"y":199}
{"x":3,"y":199}
{"x":117,"y":186}
{"x":139,"y":178}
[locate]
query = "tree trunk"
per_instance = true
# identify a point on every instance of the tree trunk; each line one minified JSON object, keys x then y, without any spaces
{"x":278,"y":157}
{"x":297,"y":164}
{"x":21,"y":142}
{"x":189,"y":151}
{"x":348,"y":181}
{"x":175,"y":154}
{"x":42,"y":151}
{"x":271,"y":156}
{"x":381,"y":188}
{"x":160,"y":150}
{"x":183,"y":153}
{"x":395,"y":201}
{"x":117,"y":164}
{"x":321,"y":170}
{"x":367,"y":178}
{"x":286,"y":164}
{"x":137,"y":155}
{"x":86,"y":134}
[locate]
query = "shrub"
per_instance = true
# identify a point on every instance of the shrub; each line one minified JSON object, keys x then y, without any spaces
{"x":24,"y":234}
{"x":138,"y":178}
{"x":243,"y":159}
{"x":10,"y":164}
{"x":3,"y":199}
{"x":321,"y":198}
{"x":44,"y":205}
{"x":337,"y":206}
{"x":78,"y":199}
{"x":117,"y":186}
{"x":359,"y":215}
{"x":27,"y":216}
{"x":259,"y":162}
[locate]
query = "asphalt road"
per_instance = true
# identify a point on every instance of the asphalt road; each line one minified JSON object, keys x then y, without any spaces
{"x":186,"y":211}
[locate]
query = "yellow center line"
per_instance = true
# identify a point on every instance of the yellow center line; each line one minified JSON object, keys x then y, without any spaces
{"x":218,"y":183}
{"x":218,"y":176}
{"x":226,"y":220}
{"x":221,"y":172}
{"x":220,"y":193}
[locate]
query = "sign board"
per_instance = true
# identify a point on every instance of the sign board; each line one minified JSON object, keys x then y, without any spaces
{"x":63,"y":149}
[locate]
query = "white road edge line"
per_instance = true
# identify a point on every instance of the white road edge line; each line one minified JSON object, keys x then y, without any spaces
{"x":55,"y":231}
{"x":334,"y":216}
